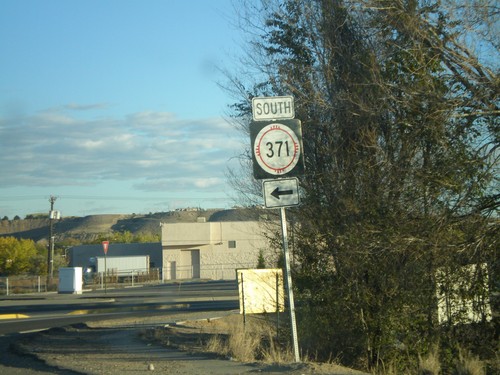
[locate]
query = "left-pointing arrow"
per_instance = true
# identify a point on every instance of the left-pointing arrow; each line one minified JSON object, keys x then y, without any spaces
{"x":277,"y":193}
{"x":283,"y":192}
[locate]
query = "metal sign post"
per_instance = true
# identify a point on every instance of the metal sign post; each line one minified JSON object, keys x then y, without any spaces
{"x":105,"y":245}
{"x":289,"y":289}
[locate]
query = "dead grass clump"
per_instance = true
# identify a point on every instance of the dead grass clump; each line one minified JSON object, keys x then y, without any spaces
{"x":469,"y":364}
{"x":244,"y":344}
{"x":250,"y":341}
{"x":274,"y":352}
{"x":429,"y":365}
{"x":228,"y":337}
{"x":217,"y":344}
{"x":466,"y":364}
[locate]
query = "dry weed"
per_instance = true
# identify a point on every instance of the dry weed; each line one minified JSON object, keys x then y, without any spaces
{"x":250,"y":341}
{"x":429,"y":365}
{"x":274,"y":352}
{"x":217,"y":344}
{"x":244,"y":344}
{"x":469,"y":364}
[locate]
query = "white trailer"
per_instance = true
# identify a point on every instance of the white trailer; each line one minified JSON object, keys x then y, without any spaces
{"x":123,"y":265}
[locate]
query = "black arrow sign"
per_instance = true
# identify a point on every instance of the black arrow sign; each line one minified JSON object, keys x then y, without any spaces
{"x":277,"y":193}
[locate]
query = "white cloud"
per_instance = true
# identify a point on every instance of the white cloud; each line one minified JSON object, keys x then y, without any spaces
{"x":85,"y":107}
{"x":207,"y":182}
{"x":91,"y":144}
{"x":56,"y":148}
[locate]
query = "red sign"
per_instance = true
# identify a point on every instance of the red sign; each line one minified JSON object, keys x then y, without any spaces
{"x":105,"y":245}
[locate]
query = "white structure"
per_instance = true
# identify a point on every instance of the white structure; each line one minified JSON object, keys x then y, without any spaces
{"x":460,"y":293}
{"x":210,"y":250}
{"x":123,"y":265}
{"x":70,"y":280}
{"x":261,"y":290}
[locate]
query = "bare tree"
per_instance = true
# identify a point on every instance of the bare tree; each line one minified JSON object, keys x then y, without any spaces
{"x":401,"y":130}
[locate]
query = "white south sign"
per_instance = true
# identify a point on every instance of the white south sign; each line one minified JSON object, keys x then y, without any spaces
{"x":273,"y":108}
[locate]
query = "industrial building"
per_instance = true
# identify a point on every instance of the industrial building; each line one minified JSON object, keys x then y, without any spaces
{"x":211,"y":250}
{"x":206,"y":250}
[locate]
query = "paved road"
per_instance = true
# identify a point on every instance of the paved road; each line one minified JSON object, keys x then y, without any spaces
{"x":24,"y":313}
{"x":42,"y":311}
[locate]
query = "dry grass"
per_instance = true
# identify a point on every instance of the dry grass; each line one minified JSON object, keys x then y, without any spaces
{"x":250,"y":341}
{"x":429,"y":365}
{"x":466,"y":364}
{"x":469,"y":364}
{"x":216,"y":344}
{"x":242,"y":344}
{"x":272,"y":352}
{"x":255,"y":341}
{"x":229,"y":337}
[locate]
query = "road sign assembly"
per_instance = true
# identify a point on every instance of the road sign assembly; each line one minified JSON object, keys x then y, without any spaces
{"x":277,"y":152}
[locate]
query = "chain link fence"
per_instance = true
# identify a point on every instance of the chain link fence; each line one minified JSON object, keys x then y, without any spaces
{"x":25,"y":284}
{"x":28,"y":284}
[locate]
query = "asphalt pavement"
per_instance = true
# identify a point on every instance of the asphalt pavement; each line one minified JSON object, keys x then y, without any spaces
{"x":23,"y":316}
{"x":22,"y":313}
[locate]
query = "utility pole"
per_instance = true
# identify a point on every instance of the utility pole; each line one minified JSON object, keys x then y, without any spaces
{"x":50,"y":256}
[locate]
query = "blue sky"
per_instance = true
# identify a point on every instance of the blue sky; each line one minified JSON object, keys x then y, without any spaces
{"x":114,"y":106}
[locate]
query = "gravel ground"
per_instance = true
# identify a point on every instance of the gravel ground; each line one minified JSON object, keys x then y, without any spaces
{"x":122,"y":347}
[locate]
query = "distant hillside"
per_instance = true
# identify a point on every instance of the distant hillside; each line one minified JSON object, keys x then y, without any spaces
{"x":89,"y":227}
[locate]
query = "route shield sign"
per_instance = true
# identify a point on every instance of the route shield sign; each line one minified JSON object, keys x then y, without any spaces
{"x":277,"y":149}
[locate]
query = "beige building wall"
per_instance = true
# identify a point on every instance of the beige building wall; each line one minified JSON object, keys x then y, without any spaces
{"x":213,"y":250}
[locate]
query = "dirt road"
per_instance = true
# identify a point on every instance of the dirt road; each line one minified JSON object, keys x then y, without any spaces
{"x":120,"y":347}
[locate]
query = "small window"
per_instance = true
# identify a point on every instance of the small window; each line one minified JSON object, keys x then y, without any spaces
{"x":231,"y":244}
